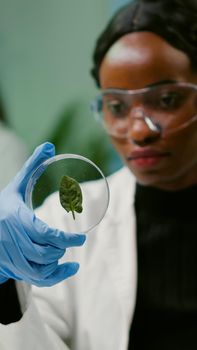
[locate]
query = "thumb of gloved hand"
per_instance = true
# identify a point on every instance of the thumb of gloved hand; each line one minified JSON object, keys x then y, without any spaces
{"x":41,"y":153}
{"x":15,"y":190}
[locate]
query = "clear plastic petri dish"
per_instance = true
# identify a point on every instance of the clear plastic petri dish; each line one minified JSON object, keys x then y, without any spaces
{"x":44,"y":195}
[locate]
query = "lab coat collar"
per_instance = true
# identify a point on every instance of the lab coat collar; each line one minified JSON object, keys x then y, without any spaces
{"x":122,"y":191}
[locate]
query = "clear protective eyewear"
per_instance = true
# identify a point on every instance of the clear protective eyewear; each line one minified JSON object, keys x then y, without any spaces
{"x":165,"y":108}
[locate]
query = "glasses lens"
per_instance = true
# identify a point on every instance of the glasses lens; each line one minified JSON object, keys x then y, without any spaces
{"x":168,"y":98}
{"x":170,"y":105}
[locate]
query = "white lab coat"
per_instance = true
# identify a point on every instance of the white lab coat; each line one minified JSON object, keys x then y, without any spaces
{"x":92,"y":310}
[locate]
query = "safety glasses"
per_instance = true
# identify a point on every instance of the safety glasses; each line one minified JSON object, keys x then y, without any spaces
{"x":165,"y":108}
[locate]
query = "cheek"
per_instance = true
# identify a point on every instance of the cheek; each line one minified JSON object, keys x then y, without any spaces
{"x":187,"y":148}
{"x":121,"y":146}
{"x":185,"y":139}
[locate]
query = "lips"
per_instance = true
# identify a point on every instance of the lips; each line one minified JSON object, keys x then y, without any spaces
{"x":148,"y":157}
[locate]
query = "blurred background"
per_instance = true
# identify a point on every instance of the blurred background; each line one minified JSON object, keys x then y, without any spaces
{"x":45,"y":84}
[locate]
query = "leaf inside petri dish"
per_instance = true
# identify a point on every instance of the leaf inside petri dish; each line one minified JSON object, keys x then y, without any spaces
{"x":70,"y":195}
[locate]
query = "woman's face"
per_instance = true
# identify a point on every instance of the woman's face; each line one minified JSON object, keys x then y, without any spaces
{"x":136,"y":61}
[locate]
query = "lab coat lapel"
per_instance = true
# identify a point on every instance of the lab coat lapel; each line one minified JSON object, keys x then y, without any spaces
{"x":121,"y":244}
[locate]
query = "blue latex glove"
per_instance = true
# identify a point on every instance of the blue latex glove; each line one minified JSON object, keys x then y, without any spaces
{"x":29,"y":249}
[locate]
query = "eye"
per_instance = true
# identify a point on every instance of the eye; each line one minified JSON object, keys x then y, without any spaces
{"x":116,"y":108}
{"x":170,"y":100}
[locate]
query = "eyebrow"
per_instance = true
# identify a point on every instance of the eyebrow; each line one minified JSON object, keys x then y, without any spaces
{"x":157,"y":83}
{"x":162,"y":82}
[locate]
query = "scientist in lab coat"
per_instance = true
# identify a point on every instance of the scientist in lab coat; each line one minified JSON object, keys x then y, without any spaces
{"x":136,"y":287}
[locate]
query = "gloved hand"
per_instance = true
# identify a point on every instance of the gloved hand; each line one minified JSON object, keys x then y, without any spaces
{"x":29,"y":249}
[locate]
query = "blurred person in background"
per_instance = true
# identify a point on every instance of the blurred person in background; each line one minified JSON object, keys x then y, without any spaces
{"x":137,"y":286}
{"x":13,"y":151}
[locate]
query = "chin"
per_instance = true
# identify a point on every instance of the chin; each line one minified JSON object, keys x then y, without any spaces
{"x":152,"y":180}
{"x":146,"y":179}
{"x":147,"y":182}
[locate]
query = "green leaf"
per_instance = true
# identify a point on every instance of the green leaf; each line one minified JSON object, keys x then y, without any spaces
{"x":70,"y":195}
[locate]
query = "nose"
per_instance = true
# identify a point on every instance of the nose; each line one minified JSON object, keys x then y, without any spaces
{"x":142,"y":131}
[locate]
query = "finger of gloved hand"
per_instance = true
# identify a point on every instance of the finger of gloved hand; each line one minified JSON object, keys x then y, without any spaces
{"x":41,"y":254}
{"x":16,"y":266}
{"x":41,"y":153}
{"x":63,"y":240}
{"x":61,"y":273}
{"x":34,"y":272}
{"x":42,"y":234}
{"x":16,"y":240}
{"x":19,"y":268}
{"x":41,"y":272}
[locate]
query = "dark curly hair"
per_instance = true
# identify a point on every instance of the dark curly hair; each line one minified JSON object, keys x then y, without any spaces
{"x":174,"y":20}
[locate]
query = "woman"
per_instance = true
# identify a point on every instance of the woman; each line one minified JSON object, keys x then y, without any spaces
{"x":144,"y":63}
{"x":148,"y":75}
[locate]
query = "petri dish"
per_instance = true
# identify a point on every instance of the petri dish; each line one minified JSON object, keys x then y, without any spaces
{"x":43,"y":191}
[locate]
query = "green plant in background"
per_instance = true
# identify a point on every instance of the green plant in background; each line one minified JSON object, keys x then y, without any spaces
{"x":77,"y":132}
